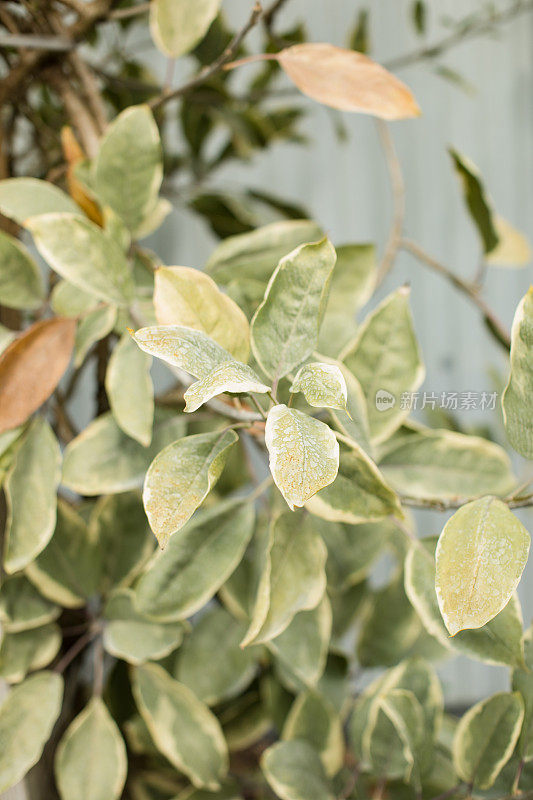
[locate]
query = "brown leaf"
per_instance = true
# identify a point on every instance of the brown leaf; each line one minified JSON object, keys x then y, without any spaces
{"x":31,"y":367}
{"x":347,"y":80}
{"x":74,"y":154}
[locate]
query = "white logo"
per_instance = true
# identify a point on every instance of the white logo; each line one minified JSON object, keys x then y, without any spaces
{"x":384,"y":400}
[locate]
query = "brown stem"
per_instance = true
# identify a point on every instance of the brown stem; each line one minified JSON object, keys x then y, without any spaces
{"x":78,"y":646}
{"x":102,"y":358}
{"x":437,"y":504}
{"x":470,"y":290}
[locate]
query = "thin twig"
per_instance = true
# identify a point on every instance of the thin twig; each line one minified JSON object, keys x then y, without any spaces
{"x":98,"y":669}
{"x":437,"y":504}
{"x":470,"y":290}
{"x":216,"y":66}
{"x":126,"y":13}
{"x":398,"y":201}
{"x":79,"y":645}
{"x":31,"y":41}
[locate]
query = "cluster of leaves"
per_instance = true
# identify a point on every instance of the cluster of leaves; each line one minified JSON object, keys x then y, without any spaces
{"x":221,"y":663}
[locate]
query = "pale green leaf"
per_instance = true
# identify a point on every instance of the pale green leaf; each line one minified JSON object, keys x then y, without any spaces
{"x":22,"y":607}
{"x":516,"y":401}
{"x":313,"y":719}
{"x":80,"y":252}
{"x":22,"y":198}
{"x":180,"y":478}
{"x":295,"y":772}
{"x":351,"y":286}
{"x":120,"y":532}
{"x":231,"y":376}
{"x":386,"y":360}
{"x":480,"y":557}
{"x":93,"y":327}
{"x":27,"y":717}
{"x":497,"y":642}
{"x":177,"y":26}
{"x":214,"y":680}
{"x":522,"y":682}
{"x":302,"y":648}
{"x":6,"y":337}
{"x":293,"y":577}
{"x":397,"y":733}
{"x":133,"y":637}
{"x":513,"y":248}
{"x":303,"y":454}
{"x":30,"y":489}
{"x":255,"y":255}
{"x":91,"y":760}
{"x":128,"y":169}
{"x":180,"y":580}
{"x":154,"y":218}
{"x":486,"y":737}
{"x":286,"y":324}
{"x":358,"y":494}
{"x":68,"y":300}
{"x":323,"y":385}
{"x":182,"y":727}
{"x":190,"y":298}
{"x":478,"y":203}
{"x":21,"y":281}
{"x":27,"y":651}
{"x":67,"y":570}
{"x":352,"y":549}
{"x":445,"y":464}
{"x":103,"y":460}
{"x":245,"y":722}
{"x":130,"y":390}
{"x":354,"y":423}
{"x":180,"y":347}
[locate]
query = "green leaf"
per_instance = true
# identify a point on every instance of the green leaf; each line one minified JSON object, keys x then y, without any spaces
{"x":516,"y":401}
{"x":94,"y":326}
{"x":67,"y":570}
{"x":180,"y":478}
{"x":121,"y":535}
{"x":27,"y":717}
{"x":130,"y":390}
{"x":352,"y":549}
{"x":128,"y":169}
{"x":354,"y":423}
{"x":22,"y":198}
{"x":293,"y":577}
{"x":80,"y":252}
{"x":295,"y":772}
{"x":286,"y":324}
{"x":386,"y":360}
{"x":231,"y":376}
{"x":22,"y":607}
{"x":478,"y":204}
{"x":177,"y":26}
{"x":185,"y":348}
{"x":133,"y":637}
{"x":91,"y":761}
{"x":255,"y":255}
{"x":21,"y":281}
{"x":358,"y":494}
{"x":190,"y":298}
{"x":182,"y":727}
{"x":214,"y":680}
{"x":180,"y":580}
{"x":522,"y":682}
{"x":486,"y":737}
{"x":447,"y":465}
{"x":68,"y":300}
{"x":27,"y":651}
{"x":313,"y":719}
{"x":30,"y":489}
{"x":303,"y":454}
{"x":6,"y":337}
{"x":480,"y":557}
{"x":103,"y":460}
{"x":352,"y":285}
{"x":396,"y":735}
{"x":302,"y":648}
{"x":323,"y":385}
{"x":497,"y":642}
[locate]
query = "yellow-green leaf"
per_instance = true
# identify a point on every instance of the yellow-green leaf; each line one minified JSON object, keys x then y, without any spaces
{"x":27,"y":651}
{"x":480,"y":557}
{"x":130,"y":390}
{"x":190,"y":298}
{"x":516,"y":401}
{"x":22,"y":607}
{"x":323,"y":385}
{"x":304,"y":454}
{"x":295,"y":772}
{"x":22,"y":198}
{"x":178,"y":25}
{"x":91,"y":761}
{"x":313,"y":719}
{"x":231,"y":376}
{"x":188,"y":349}
{"x":180,"y":477}
{"x":21,"y":281}
{"x":512,"y":250}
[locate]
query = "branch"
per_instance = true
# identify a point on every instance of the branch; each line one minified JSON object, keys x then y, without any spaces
{"x":126,"y":13}
{"x":30,"y":41}
{"x":436,"y":504}
{"x":216,"y":66}
{"x":398,"y":201}
{"x":469,"y":289}
{"x":467,"y":30}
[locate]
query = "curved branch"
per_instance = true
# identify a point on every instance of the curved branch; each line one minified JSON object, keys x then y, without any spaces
{"x":398,"y":201}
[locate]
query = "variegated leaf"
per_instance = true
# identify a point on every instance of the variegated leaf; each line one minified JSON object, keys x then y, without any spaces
{"x":323,"y":385}
{"x":231,"y":376}
{"x":182,"y":347}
